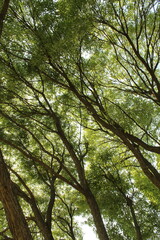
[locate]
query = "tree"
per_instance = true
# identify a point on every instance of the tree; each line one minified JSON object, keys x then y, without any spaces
{"x":11,"y":205}
{"x":72,"y":71}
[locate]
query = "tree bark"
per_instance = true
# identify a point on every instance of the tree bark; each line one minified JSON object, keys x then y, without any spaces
{"x":101,"y":230}
{"x":38,"y":218}
{"x":3,"y":14}
{"x":14,"y":214}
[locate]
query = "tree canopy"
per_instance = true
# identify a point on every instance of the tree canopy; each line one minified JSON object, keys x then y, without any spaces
{"x":79,"y":119}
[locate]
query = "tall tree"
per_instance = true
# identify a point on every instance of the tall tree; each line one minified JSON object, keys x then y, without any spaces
{"x":73,"y":68}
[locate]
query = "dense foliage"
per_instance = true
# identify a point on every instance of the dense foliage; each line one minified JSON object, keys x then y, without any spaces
{"x":79,"y":134}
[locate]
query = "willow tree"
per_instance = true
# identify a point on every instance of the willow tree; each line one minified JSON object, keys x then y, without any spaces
{"x":71,"y":69}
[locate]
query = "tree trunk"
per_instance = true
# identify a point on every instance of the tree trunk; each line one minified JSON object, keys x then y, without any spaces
{"x":38,"y":218}
{"x":15,"y":217}
{"x":42,"y":225}
{"x":136,"y":225}
{"x":101,"y":231}
{"x":3,"y":14}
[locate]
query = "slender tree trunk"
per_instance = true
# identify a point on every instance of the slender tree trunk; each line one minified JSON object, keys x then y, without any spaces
{"x":101,"y":231}
{"x":129,"y":203}
{"x":72,"y":234}
{"x":42,"y":225}
{"x":15,"y":217}
{"x":136,"y":225}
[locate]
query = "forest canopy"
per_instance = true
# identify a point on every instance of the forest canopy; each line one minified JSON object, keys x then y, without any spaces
{"x":79,"y":119}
